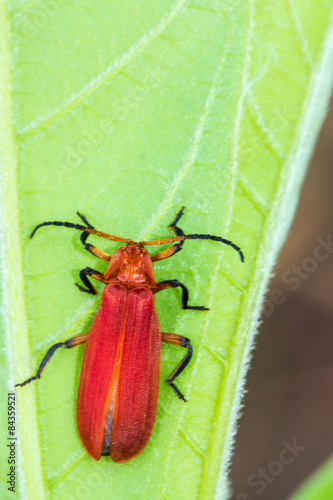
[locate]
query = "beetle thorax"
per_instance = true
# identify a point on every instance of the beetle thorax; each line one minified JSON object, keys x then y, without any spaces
{"x":133,"y":265}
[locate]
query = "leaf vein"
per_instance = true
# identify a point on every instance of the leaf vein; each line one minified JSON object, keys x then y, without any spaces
{"x":98,"y":82}
{"x":304,"y":44}
{"x":252,"y":194}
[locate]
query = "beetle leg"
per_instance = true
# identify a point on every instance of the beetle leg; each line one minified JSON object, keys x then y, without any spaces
{"x":173,"y":226}
{"x":93,"y":274}
{"x":91,"y":248}
{"x":175,"y":248}
{"x":163,"y":285}
{"x":169,"y":252}
{"x":73,"y":342}
{"x":172,"y":338}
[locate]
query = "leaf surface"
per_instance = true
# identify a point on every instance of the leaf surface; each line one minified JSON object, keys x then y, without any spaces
{"x":319,"y":486}
{"x":126,"y":111}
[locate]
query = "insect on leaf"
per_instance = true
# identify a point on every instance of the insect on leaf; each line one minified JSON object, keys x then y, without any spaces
{"x":126,"y":111}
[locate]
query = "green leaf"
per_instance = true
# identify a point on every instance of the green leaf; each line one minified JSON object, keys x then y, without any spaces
{"x":319,"y":486}
{"x":126,"y":111}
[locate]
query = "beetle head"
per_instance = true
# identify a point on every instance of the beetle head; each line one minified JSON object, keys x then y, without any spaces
{"x":131,"y":264}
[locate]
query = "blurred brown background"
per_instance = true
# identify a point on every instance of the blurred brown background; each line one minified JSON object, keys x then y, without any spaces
{"x":290,"y":385}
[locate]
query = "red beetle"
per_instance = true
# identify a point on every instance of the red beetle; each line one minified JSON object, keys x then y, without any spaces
{"x":118,"y":390}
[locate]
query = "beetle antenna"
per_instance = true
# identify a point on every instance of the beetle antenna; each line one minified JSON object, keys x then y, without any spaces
{"x":89,"y":230}
{"x":58,"y":223}
{"x":215,"y":238}
{"x":183,"y":237}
